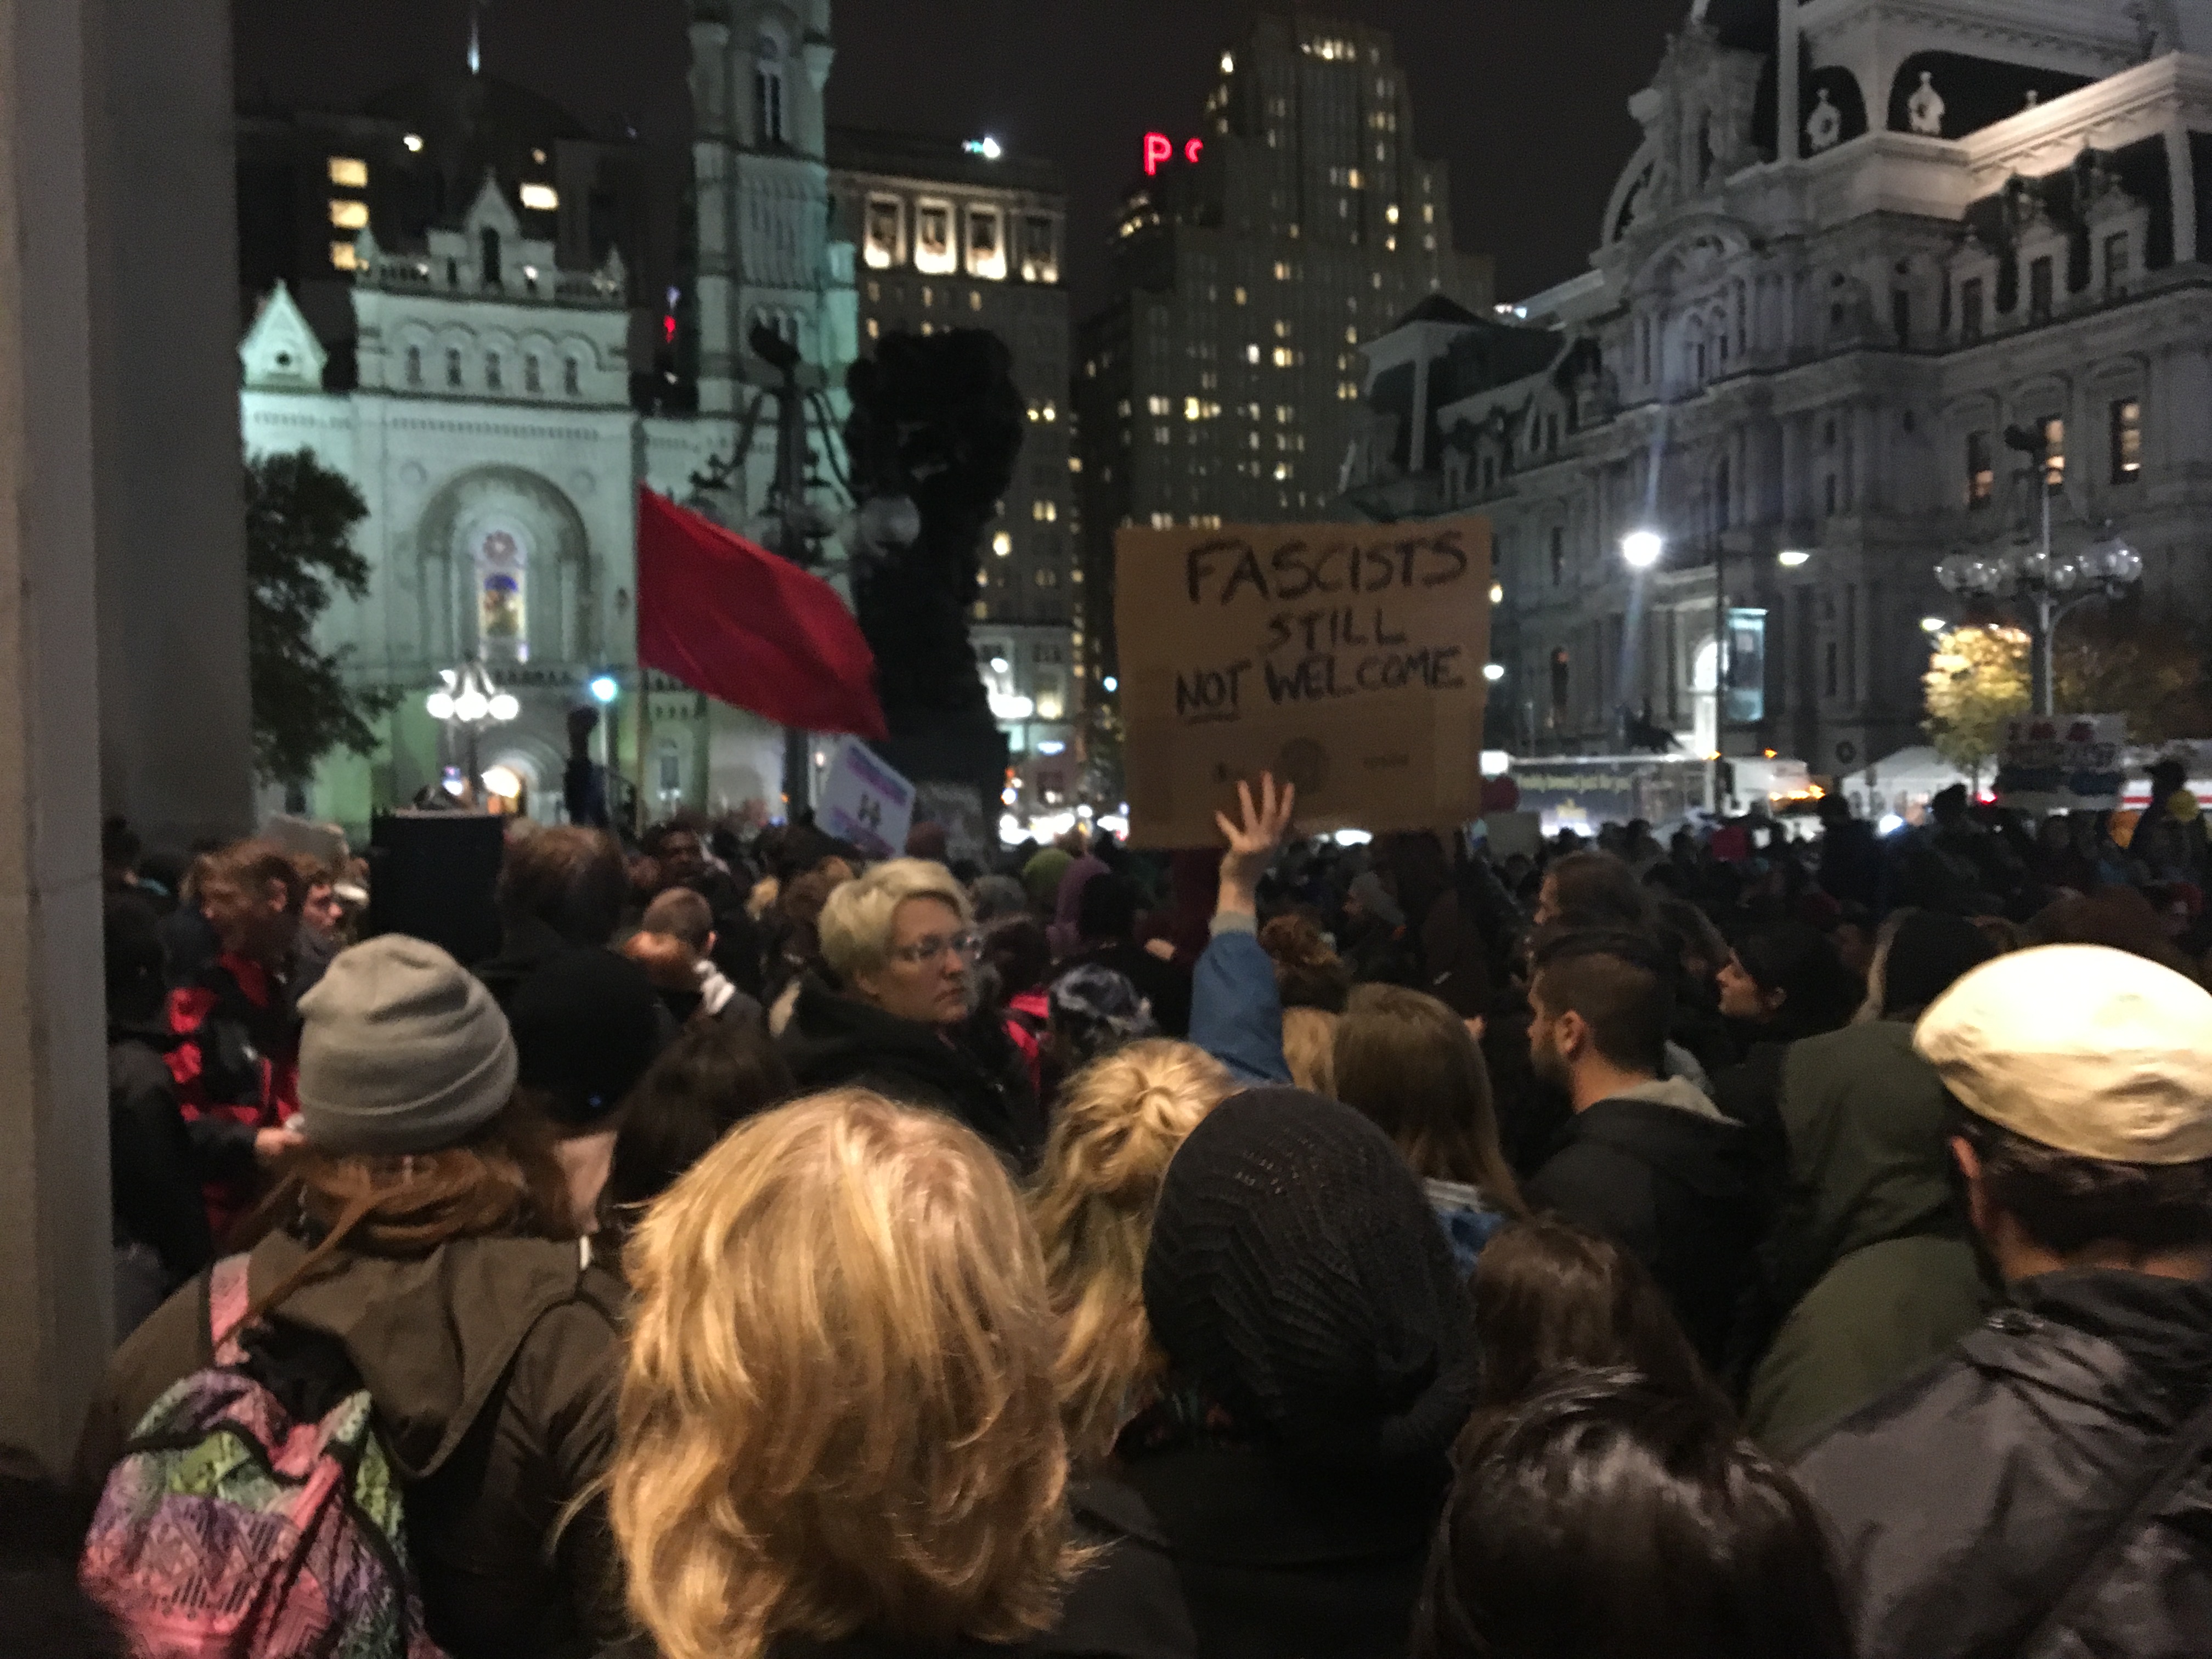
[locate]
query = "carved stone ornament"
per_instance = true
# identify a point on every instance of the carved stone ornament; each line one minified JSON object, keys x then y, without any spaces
{"x":1925,"y":110}
{"x":1825,"y":125}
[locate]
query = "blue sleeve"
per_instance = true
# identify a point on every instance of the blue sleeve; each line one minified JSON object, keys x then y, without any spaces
{"x":1236,"y":1010}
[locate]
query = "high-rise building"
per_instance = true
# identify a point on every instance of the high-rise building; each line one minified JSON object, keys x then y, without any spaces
{"x":1294,"y":221}
{"x":966,"y":236}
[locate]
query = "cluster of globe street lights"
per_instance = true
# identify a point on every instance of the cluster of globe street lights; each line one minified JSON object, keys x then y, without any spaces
{"x":2048,"y":587}
{"x":466,"y":697}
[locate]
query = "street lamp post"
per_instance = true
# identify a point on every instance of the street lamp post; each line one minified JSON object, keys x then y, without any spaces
{"x":467,"y":698}
{"x":2048,"y":588}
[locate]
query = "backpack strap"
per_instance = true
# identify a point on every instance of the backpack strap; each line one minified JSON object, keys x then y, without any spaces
{"x":2170,"y":1468}
{"x":229,"y":1299}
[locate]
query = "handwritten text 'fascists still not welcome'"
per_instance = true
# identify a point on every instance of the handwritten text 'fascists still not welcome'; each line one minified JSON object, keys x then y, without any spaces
{"x":1339,"y":620}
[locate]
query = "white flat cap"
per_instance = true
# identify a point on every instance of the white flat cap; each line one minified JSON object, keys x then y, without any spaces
{"x":2086,"y":1050}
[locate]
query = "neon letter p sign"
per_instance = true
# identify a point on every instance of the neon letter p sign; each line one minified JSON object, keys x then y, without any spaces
{"x":1157,"y":149}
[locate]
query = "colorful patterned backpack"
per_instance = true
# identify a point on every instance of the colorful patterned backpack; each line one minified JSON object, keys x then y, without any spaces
{"x":236,"y":1527}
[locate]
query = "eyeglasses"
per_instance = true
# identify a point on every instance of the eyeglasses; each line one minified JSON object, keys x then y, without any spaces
{"x":967,"y":946}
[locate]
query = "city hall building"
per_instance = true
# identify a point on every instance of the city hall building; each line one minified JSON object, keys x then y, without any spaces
{"x":1860,"y":241}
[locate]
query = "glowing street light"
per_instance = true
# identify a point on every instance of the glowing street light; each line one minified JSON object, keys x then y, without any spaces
{"x":1792,"y":558}
{"x":605,"y":689}
{"x":466,"y":697}
{"x":1642,"y":548}
{"x":1933,"y":625}
{"x":1493,"y":672}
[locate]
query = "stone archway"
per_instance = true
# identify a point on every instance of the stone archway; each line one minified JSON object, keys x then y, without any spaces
{"x":504,"y":569}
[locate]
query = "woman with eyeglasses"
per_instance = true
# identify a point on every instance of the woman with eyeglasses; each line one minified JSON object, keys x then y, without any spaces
{"x":893,"y":1009}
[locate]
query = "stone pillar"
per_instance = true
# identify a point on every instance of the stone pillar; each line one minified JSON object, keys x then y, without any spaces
{"x":176,"y":728}
{"x":1789,"y":116}
{"x":2181,"y":168}
{"x":54,"y":1293}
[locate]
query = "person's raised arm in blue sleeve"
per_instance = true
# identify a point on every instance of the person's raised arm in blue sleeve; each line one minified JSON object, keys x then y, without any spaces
{"x":1236,"y":1010}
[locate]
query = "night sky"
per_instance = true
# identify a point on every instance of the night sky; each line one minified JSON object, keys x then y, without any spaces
{"x":1528,"y":108}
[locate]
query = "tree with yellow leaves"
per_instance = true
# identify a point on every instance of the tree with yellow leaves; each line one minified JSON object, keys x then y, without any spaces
{"x":1978,"y":679}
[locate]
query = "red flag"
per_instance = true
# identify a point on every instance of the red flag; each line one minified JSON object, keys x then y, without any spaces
{"x":737,"y":622}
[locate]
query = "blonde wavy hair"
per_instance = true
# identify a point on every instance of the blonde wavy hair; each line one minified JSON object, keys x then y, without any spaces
{"x":1309,"y":1047}
{"x":1119,"y":1122}
{"x":860,"y":917}
{"x":838,"y":1412}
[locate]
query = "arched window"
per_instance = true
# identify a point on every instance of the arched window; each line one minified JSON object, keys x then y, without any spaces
{"x":453,"y":367}
{"x":768,"y":89}
{"x":530,"y":381}
{"x":491,"y":267}
{"x":572,"y":378}
{"x":495,"y":376}
{"x":414,"y":365}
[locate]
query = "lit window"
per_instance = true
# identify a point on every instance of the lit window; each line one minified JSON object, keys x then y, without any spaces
{"x":875,"y":329}
{"x":348,"y":216}
{"x":1352,"y":179}
{"x":975,"y":299}
{"x":1075,"y":464}
{"x":987,"y":247}
{"x":881,"y":246}
{"x":1003,"y":545}
{"x":349,"y":172}
{"x":344,"y":257}
{"x":540,"y":198}
{"x":1390,"y":213}
{"x":932,"y":238}
{"x":1282,"y":470}
{"x":2127,"y":441}
{"x":1052,"y":411}
{"x":413,"y":143}
{"x":1240,"y":297}
{"x":1284,"y":356}
{"x":1282,"y":270}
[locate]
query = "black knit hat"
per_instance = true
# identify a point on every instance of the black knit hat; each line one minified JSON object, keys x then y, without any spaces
{"x":587,"y":1024}
{"x":1297,"y":1275}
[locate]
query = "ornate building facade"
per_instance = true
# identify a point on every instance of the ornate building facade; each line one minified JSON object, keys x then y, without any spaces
{"x":501,"y":413}
{"x":1798,"y":354}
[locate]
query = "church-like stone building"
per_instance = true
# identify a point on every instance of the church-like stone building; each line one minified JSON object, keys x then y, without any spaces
{"x":501,"y":408}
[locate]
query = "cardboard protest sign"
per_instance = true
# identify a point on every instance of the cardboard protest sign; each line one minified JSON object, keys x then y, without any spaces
{"x":1347,"y":659}
{"x":865,"y":803}
{"x":2063,"y":763}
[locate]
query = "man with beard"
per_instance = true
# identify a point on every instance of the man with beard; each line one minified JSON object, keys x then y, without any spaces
{"x":1648,"y":1161}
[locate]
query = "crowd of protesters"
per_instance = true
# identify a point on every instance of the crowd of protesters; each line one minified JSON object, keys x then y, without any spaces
{"x":1741,"y":1245}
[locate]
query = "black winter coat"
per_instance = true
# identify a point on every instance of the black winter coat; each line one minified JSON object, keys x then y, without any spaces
{"x":1965,"y":1504}
{"x":1671,"y":1184}
{"x":1124,"y":1604}
{"x":975,"y":1074}
{"x":1277,"y":1562}
{"x":153,"y":1178}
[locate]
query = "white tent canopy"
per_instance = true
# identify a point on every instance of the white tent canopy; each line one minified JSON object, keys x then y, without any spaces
{"x":1900,"y":783}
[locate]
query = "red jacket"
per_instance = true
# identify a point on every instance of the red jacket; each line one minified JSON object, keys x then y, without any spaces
{"x":236,"y":1064}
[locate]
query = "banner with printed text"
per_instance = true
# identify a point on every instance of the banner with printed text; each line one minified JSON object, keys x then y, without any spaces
{"x":1347,"y":659}
{"x":2063,"y":763}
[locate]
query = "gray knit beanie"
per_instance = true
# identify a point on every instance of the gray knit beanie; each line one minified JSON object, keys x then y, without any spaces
{"x":402,"y":1051}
